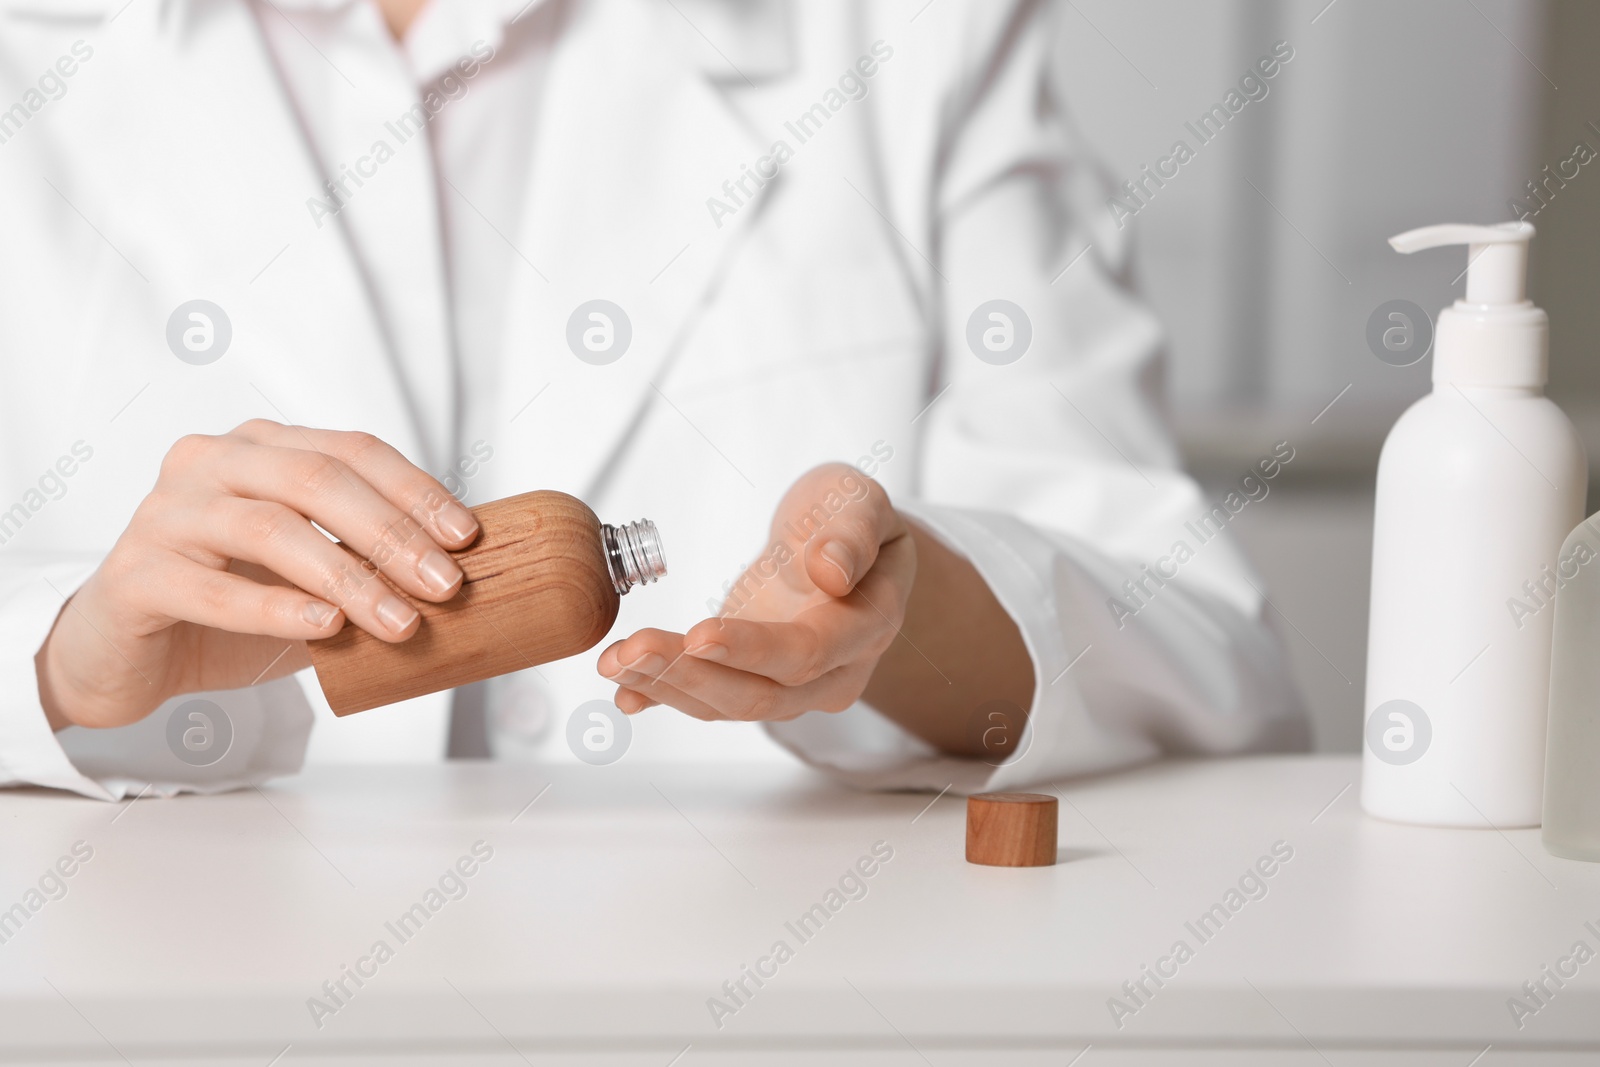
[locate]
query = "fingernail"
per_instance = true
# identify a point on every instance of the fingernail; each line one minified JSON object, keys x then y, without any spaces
{"x":438,"y":571}
{"x":836,"y":555}
{"x":649,"y":663}
{"x":710,"y":650}
{"x":457,"y":522}
{"x":318,"y":614}
{"x":396,"y":614}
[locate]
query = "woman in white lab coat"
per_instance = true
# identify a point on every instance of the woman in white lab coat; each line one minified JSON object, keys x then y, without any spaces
{"x":333,"y":262}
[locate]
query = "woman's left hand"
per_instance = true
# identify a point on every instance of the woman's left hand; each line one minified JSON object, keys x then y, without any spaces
{"x":803,"y":628}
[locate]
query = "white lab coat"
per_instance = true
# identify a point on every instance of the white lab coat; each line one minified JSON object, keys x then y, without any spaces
{"x":816,"y":320}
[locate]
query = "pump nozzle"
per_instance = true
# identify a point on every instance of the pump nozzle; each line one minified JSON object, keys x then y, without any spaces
{"x":1492,"y":336}
{"x":1497,"y":256}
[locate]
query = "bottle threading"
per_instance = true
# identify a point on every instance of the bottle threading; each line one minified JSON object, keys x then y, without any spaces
{"x":633,"y":554}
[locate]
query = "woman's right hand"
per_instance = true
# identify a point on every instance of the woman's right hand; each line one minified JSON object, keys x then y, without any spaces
{"x":221,"y":578}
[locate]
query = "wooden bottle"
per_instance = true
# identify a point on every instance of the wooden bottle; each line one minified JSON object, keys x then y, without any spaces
{"x":543,"y":581}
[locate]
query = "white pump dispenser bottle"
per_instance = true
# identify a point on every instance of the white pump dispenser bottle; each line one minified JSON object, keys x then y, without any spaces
{"x":1478,"y":485}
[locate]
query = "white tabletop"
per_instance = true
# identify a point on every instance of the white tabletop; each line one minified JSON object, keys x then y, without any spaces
{"x":619,"y":899}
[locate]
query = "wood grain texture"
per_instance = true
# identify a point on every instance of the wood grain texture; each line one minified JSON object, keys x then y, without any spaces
{"x":537,"y":589}
{"x":1011,"y":829}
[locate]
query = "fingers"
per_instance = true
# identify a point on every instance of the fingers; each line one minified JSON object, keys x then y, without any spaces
{"x":820,"y":640}
{"x":652,"y":649}
{"x":630,"y":702}
{"x":195,"y":593}
{"x":322,"y":488}
{"x":651,"y":665}
{"x":624,"y":655}
{"x":212,"y":531}
{"x":381,"y":465}
{"x":726,"y":706}
{"x":283,"y":541}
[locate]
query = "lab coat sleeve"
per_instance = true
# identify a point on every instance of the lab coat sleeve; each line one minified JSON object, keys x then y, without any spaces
{"x":267,"y":726}
{"x":1055,"y":475}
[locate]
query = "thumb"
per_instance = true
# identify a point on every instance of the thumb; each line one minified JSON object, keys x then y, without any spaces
{"x":841,"y":554}
{"x":838,"y":562}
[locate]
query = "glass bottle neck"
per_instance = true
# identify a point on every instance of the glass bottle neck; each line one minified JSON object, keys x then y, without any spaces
{"x":633,"y":554}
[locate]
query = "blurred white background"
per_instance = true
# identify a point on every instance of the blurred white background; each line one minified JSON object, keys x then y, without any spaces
{"x":1267,"y":253}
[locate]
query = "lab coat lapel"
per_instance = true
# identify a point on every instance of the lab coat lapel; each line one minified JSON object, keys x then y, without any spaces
{"x":633,"y":141}
{"x":307,"y":343}
{"x":417,"y":394}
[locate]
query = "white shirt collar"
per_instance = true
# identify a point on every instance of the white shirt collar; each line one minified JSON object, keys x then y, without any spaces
{"x":444,"y":32}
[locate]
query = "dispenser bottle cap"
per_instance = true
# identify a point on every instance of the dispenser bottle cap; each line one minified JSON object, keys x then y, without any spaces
{"x":1497,"y":256}
{"x":1493,"y":336}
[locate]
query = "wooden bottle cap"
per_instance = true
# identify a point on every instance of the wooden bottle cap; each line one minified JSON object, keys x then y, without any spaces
{"x":1011,"y":829}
